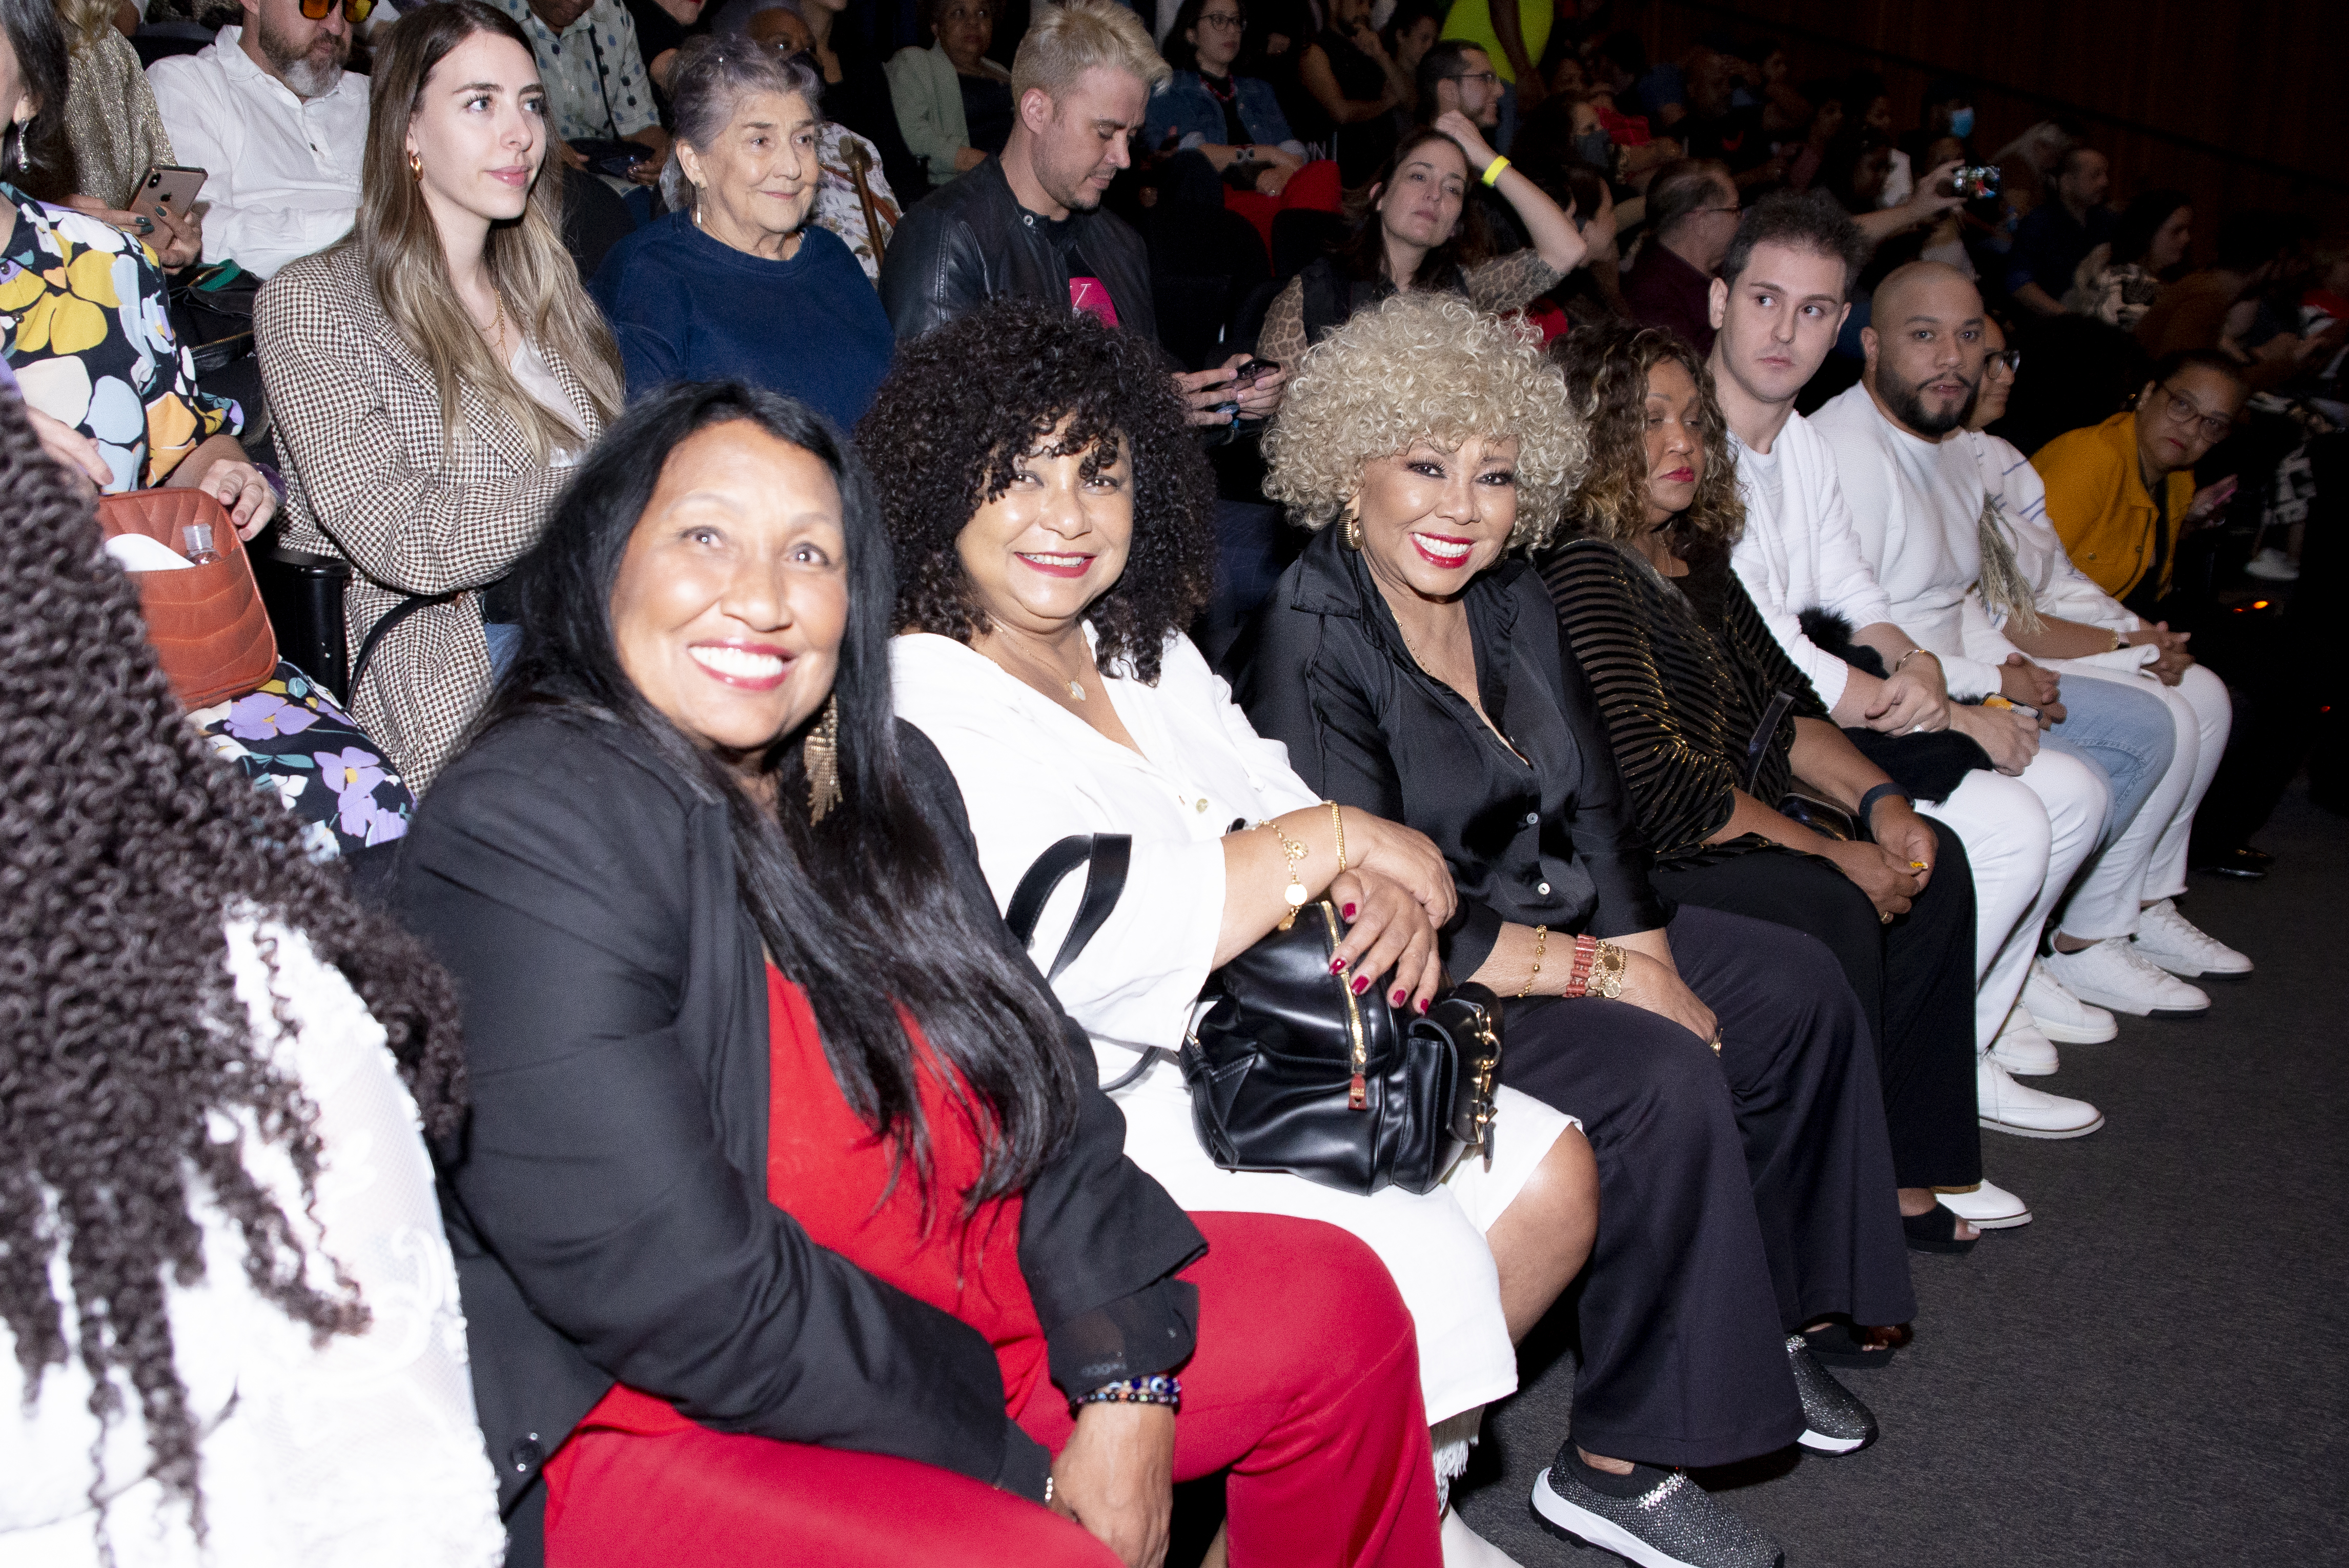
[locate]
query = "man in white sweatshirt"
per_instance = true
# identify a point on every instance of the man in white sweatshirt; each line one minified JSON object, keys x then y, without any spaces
{"x":1917,"y":503}
{"x":1782,"y":296}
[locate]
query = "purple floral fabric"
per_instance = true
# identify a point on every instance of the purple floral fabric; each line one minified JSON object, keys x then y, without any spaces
{"x":295,"y":742}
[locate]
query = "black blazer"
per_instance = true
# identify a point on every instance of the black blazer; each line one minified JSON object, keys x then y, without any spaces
{"x":608,"y":1206}
{"x":970,"y":241}
{"x":1541,"y":836}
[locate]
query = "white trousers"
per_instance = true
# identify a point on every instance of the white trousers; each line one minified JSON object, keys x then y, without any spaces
{"x":2026,"y":838}
{"x":2204,"y":716}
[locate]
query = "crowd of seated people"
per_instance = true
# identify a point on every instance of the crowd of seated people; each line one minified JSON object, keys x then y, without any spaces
{"x":1641,"y":542}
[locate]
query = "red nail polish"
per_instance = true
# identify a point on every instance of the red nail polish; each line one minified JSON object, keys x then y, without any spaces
{"x":1337,"y":966}
{"x":1348,"y":911}
{"x":1399,"y":996}
{"x":1423,"y":1007}
{"x":1361,"y":983}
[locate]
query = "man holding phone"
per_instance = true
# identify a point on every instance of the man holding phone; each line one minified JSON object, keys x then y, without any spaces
{"x":277,"y":126}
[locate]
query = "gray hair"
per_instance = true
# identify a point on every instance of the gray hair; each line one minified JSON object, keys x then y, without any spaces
{"x":713,"y":75}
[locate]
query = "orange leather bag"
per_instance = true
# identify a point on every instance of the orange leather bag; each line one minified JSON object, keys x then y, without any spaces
{"x":207,"y":622}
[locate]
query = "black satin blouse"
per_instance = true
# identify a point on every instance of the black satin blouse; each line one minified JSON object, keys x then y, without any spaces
{"x":1543,"y":834}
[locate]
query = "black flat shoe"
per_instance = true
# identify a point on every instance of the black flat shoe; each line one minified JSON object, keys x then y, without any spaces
{"x":2245,"y":864}
{"x":1835,"y":1343}
{"x":1935,"y":1231}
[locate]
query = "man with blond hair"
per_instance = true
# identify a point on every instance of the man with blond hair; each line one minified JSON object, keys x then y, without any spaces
{"x":1028,"y":223}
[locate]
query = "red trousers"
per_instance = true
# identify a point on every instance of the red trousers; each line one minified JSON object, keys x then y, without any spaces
{"x":1305,"y":1384}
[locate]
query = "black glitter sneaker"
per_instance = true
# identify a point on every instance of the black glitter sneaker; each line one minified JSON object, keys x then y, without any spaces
{"x":1834,"y":1421}
{"x":1670,"y":1522}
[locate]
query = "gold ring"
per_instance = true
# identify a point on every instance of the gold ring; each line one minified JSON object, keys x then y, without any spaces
{"x":1916,"y":865}
{"x":1885,"y":919}
{"x":1716,"y":1044}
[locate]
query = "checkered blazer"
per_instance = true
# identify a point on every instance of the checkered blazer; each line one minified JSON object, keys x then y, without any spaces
{"x":375,"y":478}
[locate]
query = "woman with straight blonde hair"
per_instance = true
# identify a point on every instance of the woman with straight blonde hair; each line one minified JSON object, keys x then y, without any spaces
{"x":437,"y":372}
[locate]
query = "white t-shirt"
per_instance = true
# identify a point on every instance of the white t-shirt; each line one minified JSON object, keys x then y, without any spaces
{"x":1799,"y":551}
{"x":1917,"y":507}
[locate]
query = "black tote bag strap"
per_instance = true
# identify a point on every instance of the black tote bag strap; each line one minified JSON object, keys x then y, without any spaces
{"x":1106,"y":857}
{"x":1108,"y":854}
{"x":384,"y":624}
{"x":1765,"y":732}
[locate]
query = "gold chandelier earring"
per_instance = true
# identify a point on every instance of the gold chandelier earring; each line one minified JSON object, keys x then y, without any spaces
{"x":820,"y":756}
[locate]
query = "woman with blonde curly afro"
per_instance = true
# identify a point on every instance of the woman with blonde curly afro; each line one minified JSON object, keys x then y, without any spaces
{"x":1721,"y":1065}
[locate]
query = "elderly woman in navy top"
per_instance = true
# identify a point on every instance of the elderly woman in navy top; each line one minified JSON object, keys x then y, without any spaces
{"x":1231,"y":121}
{"x":736,"y":284}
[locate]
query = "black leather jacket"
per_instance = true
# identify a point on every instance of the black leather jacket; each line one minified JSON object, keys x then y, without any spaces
{"x":971,"y":241}
{"x":584,"y":894}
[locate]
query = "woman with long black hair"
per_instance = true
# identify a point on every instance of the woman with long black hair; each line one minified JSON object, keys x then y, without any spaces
{"x":787,"y":1226}
{"x":222,"y":1277}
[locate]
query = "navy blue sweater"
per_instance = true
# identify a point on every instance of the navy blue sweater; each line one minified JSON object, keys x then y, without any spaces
{"x":686,"y":307}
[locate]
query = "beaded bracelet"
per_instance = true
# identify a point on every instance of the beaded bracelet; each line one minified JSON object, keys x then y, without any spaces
{"x":1541,"y":946}
{"x":1156,"y":1390}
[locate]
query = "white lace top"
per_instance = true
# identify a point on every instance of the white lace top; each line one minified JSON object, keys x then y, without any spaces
{"x":359,"y":1452}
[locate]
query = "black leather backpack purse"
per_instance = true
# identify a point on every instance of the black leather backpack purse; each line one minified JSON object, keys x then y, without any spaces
{"x":1289,"y":1070}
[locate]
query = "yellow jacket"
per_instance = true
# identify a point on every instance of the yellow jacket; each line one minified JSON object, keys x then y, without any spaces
{"x":2099,"y":505}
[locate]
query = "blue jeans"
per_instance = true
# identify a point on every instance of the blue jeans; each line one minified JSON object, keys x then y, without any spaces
{"x":2126,"y":734}
{"x":505,"y":642}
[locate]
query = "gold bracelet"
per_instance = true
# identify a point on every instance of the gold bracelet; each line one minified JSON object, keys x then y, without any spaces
{"x":1541,"y":946}
{"x":2119,"y":642}
{"x":1607,"y":972}
{"x":1296,"y":892}
{"x":1339,"y":818}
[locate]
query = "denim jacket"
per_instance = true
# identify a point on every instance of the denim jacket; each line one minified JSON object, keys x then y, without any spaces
{"x":1186,"y":107}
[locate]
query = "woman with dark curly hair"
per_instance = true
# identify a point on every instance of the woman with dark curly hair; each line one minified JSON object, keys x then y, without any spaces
{"x":1050,"y":515}
{"x":1715,"y":727}
{"x":223,"y":1275}
{"x":790,"y":1230}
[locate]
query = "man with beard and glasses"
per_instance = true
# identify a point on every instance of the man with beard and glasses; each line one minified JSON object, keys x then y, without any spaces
{"x":1927,"y":526}
{"x":268,"y":112}
{"x":1028,"y":223}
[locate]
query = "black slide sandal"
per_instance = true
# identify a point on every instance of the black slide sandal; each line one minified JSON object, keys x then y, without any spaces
{"x":1935,"y":1231}
{"x":1835,"y":1343}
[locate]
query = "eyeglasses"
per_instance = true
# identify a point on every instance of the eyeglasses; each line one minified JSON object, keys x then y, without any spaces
{"x":2183,"y":412}
{"x":950,"y":14}
{"x":1229,"y":21}
{"x":2010,"y":359}
{"x":1490,"y":79}
{"x":354,"y":11}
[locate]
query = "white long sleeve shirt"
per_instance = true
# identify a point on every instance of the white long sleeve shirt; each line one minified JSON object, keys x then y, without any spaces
{"x":1917,"y":507}
{"x":363,"y":1451}
{"x":1800,"y":551}
{"x":282,"y":173}
{"x":2058,"y":587}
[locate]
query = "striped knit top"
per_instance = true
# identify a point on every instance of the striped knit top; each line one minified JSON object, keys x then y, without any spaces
{"x":1684,"y":672}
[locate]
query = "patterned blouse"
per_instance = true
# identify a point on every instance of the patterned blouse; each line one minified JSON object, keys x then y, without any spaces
{"x":839,"y":208}
{"x":1684,"y":672}
{"x":83,"y":324}
{"x":1503,"y":284}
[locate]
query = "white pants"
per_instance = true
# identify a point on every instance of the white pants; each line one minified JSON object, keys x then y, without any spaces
{"x":2204,"y":715}
{"x":1432,"y":1242}
{"x":2026,"y":838}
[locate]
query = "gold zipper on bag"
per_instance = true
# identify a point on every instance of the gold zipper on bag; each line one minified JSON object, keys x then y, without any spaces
{"x":1358,"y":1094}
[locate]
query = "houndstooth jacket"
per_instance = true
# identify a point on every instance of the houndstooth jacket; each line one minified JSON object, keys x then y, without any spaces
{"x":375,"y":478}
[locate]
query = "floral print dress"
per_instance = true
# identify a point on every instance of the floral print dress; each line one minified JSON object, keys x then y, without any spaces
{"x":293,"y":741}
{"x":85,"y":324}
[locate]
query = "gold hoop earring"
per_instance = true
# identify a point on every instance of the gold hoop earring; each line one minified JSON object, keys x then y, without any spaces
{"x":415,"y":166}
{"x":820,"y":756}
{"x":1354,"y":524}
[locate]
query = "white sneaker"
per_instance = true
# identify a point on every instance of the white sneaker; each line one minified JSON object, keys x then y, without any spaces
{"x":2274,"y":565}
{"x":2021,"y":1048}
{"x":2112,"y":974}
{"x":2062,"y":1016}
{"x":1988,"y":1207}
{"x":2007,"y":1106}
{"x":2177,"y":945}
{"x":1464,"y":1548}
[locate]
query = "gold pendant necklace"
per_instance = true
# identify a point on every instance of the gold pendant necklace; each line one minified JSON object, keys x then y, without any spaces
{"x":1077,"y":691}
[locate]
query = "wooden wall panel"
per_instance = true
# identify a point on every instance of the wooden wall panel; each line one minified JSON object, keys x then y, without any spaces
{"x":2243,"y":105}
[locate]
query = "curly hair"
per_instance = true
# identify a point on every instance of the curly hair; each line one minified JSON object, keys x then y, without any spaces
{"x":961,"y":406}
{"x":124,"y":849}
{"x":1607,"y":372}
{"x":1423,"y":366}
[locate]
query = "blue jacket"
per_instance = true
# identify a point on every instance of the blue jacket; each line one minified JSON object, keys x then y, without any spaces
{"x":1187,"y":108}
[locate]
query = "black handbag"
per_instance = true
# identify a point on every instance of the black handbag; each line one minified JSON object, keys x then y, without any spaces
{"x":1289,"y":1070}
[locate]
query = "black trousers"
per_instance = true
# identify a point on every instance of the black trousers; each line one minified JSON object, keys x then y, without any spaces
{"x":1914,"y":979}
{"x":1741,"y":1196}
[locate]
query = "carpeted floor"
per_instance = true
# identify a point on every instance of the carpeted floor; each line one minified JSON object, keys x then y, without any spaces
{"x":2155,"y":1372}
